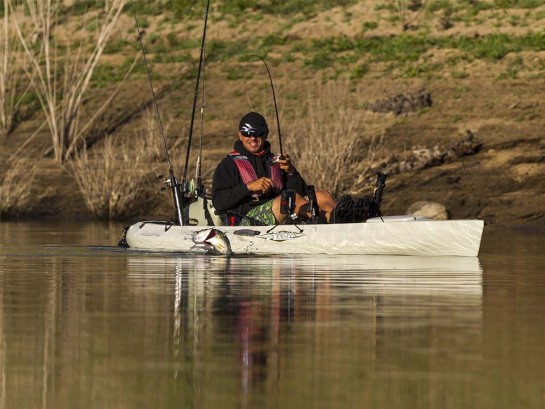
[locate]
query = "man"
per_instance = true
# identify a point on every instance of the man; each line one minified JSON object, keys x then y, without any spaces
{"x":248,"y":182}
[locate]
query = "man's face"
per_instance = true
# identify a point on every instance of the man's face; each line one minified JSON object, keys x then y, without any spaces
{"x":252,"y":143}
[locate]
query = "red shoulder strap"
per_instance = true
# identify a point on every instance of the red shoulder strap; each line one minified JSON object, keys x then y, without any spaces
{"x":245,"y":168}
{"x":247,"y":171}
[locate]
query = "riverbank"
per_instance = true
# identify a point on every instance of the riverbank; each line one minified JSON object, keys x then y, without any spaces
{"x":492,"y":94}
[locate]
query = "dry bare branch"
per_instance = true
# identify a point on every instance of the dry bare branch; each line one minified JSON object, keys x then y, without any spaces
{"x":116,"y":181}
{"x":61,"y":98}
{"x":325,"y":140}
{"x":10,"y":74}
{"x":16,"y":188}
{"x":101,"y":109}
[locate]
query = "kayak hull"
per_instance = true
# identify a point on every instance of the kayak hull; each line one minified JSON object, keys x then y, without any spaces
{"x":393,"y":235}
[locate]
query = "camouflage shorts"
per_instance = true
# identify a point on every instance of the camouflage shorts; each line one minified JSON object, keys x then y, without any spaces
{"x":262,"y":213}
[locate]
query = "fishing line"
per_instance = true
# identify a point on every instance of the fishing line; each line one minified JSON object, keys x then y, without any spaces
{"x":190,"y":137}
{"x":171,"y":182}
{"x":148,"y":72}
{"x":275,"y":105}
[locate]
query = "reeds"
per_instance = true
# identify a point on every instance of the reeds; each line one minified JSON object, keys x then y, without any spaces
{"x":16,"y":188}
{"x":11,"y":81}
{"x":117,"y":181}
{"x":326,"y":140}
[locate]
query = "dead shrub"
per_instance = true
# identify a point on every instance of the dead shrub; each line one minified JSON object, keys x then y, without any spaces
{"x":116,"y":182}
{"x":59,"y":71}
{"x":325,"y":140}
{"x":16,"y":188}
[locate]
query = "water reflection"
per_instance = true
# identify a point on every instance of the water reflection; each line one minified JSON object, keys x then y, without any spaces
{"x":268,"y":320}
{"x":96,"y":326}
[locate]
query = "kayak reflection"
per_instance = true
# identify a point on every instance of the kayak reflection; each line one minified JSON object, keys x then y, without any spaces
{"x":261,"y":316}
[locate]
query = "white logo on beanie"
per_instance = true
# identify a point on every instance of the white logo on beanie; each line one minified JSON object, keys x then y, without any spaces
{"x":247,"y":128}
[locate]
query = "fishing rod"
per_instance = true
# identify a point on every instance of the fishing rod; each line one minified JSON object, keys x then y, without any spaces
{"x":200,"y":189}
{"x":311,"y":193}
{"x":171,"y":181}
{"x":275,"y":105}
{"x":185,"y":184}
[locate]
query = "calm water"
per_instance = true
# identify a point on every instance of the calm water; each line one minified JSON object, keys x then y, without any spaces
{"x":84,"y":324}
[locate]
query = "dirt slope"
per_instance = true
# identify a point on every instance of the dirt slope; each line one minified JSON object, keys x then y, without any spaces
{"x":503,"y":183}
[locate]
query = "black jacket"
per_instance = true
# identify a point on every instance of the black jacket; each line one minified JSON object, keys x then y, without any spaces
{"x":228,"y":191}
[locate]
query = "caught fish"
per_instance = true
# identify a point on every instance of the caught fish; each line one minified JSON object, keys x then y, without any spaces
{"x":214,"y":241}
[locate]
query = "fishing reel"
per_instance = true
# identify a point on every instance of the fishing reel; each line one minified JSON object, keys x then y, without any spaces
{"x":276,"y":159}
{"x":167,"y":183}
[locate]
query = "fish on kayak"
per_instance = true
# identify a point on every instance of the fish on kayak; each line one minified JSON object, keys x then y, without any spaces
{"x":214,"y":241}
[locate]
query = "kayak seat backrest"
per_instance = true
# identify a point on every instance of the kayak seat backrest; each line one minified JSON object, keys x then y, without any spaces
{"x":202,"y":213}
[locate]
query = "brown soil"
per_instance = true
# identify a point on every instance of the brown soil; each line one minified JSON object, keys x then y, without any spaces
{"x":503,"y":183}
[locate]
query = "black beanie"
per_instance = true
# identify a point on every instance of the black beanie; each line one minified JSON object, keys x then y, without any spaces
{"x":254,"y":123}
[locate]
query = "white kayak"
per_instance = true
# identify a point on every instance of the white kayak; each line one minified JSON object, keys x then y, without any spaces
{"x":387,"y":235}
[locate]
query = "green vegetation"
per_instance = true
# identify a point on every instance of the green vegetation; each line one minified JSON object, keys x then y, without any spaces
{"x":80,"y":7}
{"x":107,"y":74}
{"x":187,"y":9}
{"x":400,"y":52}
{"x":406,"y":54}
{"x":407,"y":48}
{"x":521,"y":4}
{"x":446,"y":44}
{"x":369,"y":25}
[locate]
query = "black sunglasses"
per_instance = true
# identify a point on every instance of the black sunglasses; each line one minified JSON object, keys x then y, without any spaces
{"x":258,"y":133}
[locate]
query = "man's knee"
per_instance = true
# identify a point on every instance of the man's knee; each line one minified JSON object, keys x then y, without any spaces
{"x":325,"y":200}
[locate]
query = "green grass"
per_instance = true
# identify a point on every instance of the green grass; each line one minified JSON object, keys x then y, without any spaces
{"x":425,"y":69}
{"x":369,"y":25}
{"x":497,"y":46}
{"x":220,"y":50}
{"x":408,"y":48}
{"x":80,"y":7}
{"x":236,"y":72}
{"x":359,"y":71}
{"x":116,"y":46}
{"x":242,"y":9}
{"x":142,"y":8}
{"x":438,"y":5}
{"x":518,"y":4}
{"x":404,"y":54}
{"x":106,"y":74}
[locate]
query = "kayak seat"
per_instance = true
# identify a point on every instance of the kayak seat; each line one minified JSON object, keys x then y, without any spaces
{"x":350,"y":210}
{"x":343,"y":211}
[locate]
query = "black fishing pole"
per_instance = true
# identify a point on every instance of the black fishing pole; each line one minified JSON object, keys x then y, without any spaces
{"x":185,"y":187}
{"x":313,"y":203}
{"x":275,"y":105}
{"x":171,"y":182}
{"x":200,"y":189}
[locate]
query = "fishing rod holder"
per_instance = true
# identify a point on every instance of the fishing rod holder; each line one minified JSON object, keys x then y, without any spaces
{"x":379,"y":188}
{"x":184,"y":187}
{"x":313,"y":208}
{"x":200,"y":190}
{"x":287,"y":204}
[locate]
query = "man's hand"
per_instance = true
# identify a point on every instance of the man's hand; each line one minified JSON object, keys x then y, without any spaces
{"x":261,"y":185}
{"x":286,"y":165}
